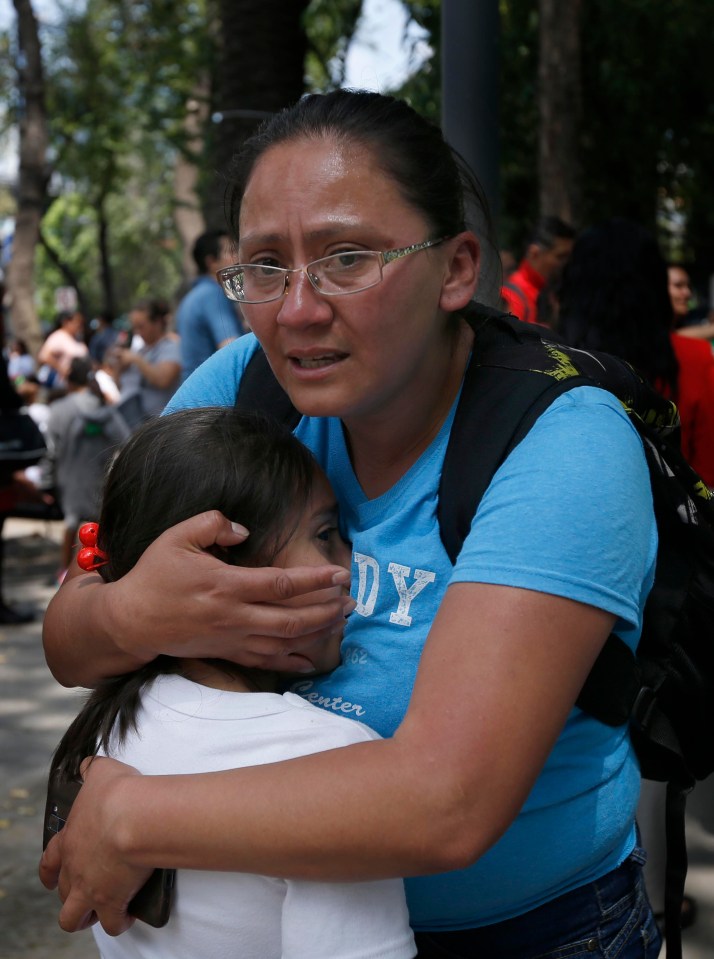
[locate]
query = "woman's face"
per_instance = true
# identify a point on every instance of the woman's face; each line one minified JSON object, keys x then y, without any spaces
{"x":142,"y":325}
{"x":680,"y":292}
{"x":348,"y":355}
{"x":75,"y":324}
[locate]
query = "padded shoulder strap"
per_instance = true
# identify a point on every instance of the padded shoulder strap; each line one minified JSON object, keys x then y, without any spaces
{"x":260,"y":391}
{"x":504,"y":392}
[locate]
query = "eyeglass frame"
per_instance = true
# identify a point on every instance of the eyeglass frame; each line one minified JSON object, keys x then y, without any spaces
{"x":385,"y":257}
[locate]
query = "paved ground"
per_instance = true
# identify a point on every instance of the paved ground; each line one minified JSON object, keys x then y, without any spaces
{"x":34,"y":711}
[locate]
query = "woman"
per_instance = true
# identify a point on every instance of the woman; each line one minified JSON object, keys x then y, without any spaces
{"x":355,"y":262}
{"x":680,"y":293}
{"x":63,"y":344}
{"x":152,"y":372}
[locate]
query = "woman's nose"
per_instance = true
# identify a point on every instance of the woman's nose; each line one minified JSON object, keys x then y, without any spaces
{"x":301,"y":304}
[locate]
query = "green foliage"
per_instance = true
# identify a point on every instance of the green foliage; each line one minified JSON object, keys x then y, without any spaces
{"x":119,"y":75}
{"x":328,"y":24}
{"x":649,"y":110}
{"x":423,"y":89}
{"x":519,"y":121}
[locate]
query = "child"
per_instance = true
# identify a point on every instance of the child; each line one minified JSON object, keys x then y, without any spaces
{"x":194,"y":715}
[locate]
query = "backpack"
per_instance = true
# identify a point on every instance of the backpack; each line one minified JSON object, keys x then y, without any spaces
{"x":92,"y":439}
{"x":21,"y":442}
{"x":666,"y":691}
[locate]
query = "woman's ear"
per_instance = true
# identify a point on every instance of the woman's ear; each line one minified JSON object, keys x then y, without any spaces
{"x":462,"y":271}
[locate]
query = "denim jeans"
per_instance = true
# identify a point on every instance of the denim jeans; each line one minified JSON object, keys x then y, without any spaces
{"x":607,"y":919}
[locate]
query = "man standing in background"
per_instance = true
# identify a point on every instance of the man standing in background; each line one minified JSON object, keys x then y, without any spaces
{"x":206,"y":320}
{"x":546,"y":254}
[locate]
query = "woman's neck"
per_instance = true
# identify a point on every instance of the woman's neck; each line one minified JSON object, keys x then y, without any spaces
{"x":385,"y":446}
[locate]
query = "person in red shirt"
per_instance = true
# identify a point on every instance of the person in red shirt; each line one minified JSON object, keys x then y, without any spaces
{"x":547,"y":252}
{"x":680,"y":293}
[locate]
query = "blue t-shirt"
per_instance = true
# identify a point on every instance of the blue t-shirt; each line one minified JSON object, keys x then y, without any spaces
{"x":569,"y":513}
{"x":204,"y":319}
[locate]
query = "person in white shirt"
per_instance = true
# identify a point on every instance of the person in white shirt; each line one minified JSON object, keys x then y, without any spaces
{"x":195,"y":713}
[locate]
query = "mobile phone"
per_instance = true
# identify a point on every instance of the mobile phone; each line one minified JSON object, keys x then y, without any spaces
{"x":152,"y":903}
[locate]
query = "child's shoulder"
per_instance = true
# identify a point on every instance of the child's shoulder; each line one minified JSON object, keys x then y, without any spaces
{"x":350,"y":730}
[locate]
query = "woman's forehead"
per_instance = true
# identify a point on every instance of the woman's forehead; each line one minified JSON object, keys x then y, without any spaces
{"x":327,"y":185}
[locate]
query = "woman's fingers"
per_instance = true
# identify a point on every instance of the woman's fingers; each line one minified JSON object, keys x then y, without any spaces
{"x":93,"y":886}
{"x":187,"y":602}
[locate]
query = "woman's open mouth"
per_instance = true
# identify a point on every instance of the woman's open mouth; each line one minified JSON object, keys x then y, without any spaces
{"x":317,"y":362}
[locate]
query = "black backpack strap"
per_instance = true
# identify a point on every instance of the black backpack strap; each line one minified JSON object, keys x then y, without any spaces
{"x":496,"y":410}
{"x":259,"y":390}
{"x":501,"y":399}
{"x":676,"y":867}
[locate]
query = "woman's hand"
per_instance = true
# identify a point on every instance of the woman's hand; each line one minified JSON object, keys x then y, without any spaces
{"x":181,"y":600}
{"x":94,"y":887}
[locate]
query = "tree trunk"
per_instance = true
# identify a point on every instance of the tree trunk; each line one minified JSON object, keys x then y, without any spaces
{"x":70,"y":277}
{"x":189,"y":216}
{"x":105,"y":265}
{"x":261,"y":70}
{"x":559,"y":105}
{"x":33,"y":179}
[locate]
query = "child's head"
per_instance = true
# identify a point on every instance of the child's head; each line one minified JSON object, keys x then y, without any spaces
{"x":253,"y":471}
{"x":244,"y":465}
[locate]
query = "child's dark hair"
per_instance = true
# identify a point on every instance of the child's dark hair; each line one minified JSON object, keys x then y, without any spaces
{"x":246,"y":466}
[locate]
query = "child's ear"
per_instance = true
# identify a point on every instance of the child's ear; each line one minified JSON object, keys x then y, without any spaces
{"x":462,"y":272}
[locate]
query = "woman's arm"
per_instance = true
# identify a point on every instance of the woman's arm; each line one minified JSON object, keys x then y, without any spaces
{"x":181,"y":600}
{"x":433,"y":798}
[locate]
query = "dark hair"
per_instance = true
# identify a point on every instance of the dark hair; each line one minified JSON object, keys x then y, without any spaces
{"x":207,"y":244}
{"x":548,"y":229}
{"x":258,"y":474}
{"x":614,"y":297}
{"x":81,"y":374}
{"x":80,"y":371}
{"x":245,"y":465}
{"x":431,"y":175}
{"x":157,"y":310}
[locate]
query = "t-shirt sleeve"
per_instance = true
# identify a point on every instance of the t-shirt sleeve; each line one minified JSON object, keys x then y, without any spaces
{"x":215,"y":382}
{"x":570,"y":511}
{"x":170,"y":352}
{"x":220,"y":317}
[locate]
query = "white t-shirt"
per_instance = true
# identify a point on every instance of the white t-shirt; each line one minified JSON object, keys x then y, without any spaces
{"x":184,"y":728}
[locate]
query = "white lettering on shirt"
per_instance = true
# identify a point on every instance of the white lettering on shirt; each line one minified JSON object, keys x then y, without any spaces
{"x":336,"y":703}
{"x":365,"y":607}
{"x":406,"y":594}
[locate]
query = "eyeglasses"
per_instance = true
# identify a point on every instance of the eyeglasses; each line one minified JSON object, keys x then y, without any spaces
{"x":337,"y":275}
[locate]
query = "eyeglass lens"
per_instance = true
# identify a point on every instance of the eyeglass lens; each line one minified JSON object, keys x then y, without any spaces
{"x":339,"y":273}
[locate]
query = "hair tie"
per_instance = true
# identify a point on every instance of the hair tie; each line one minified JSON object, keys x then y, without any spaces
{"x":90,"y":557}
